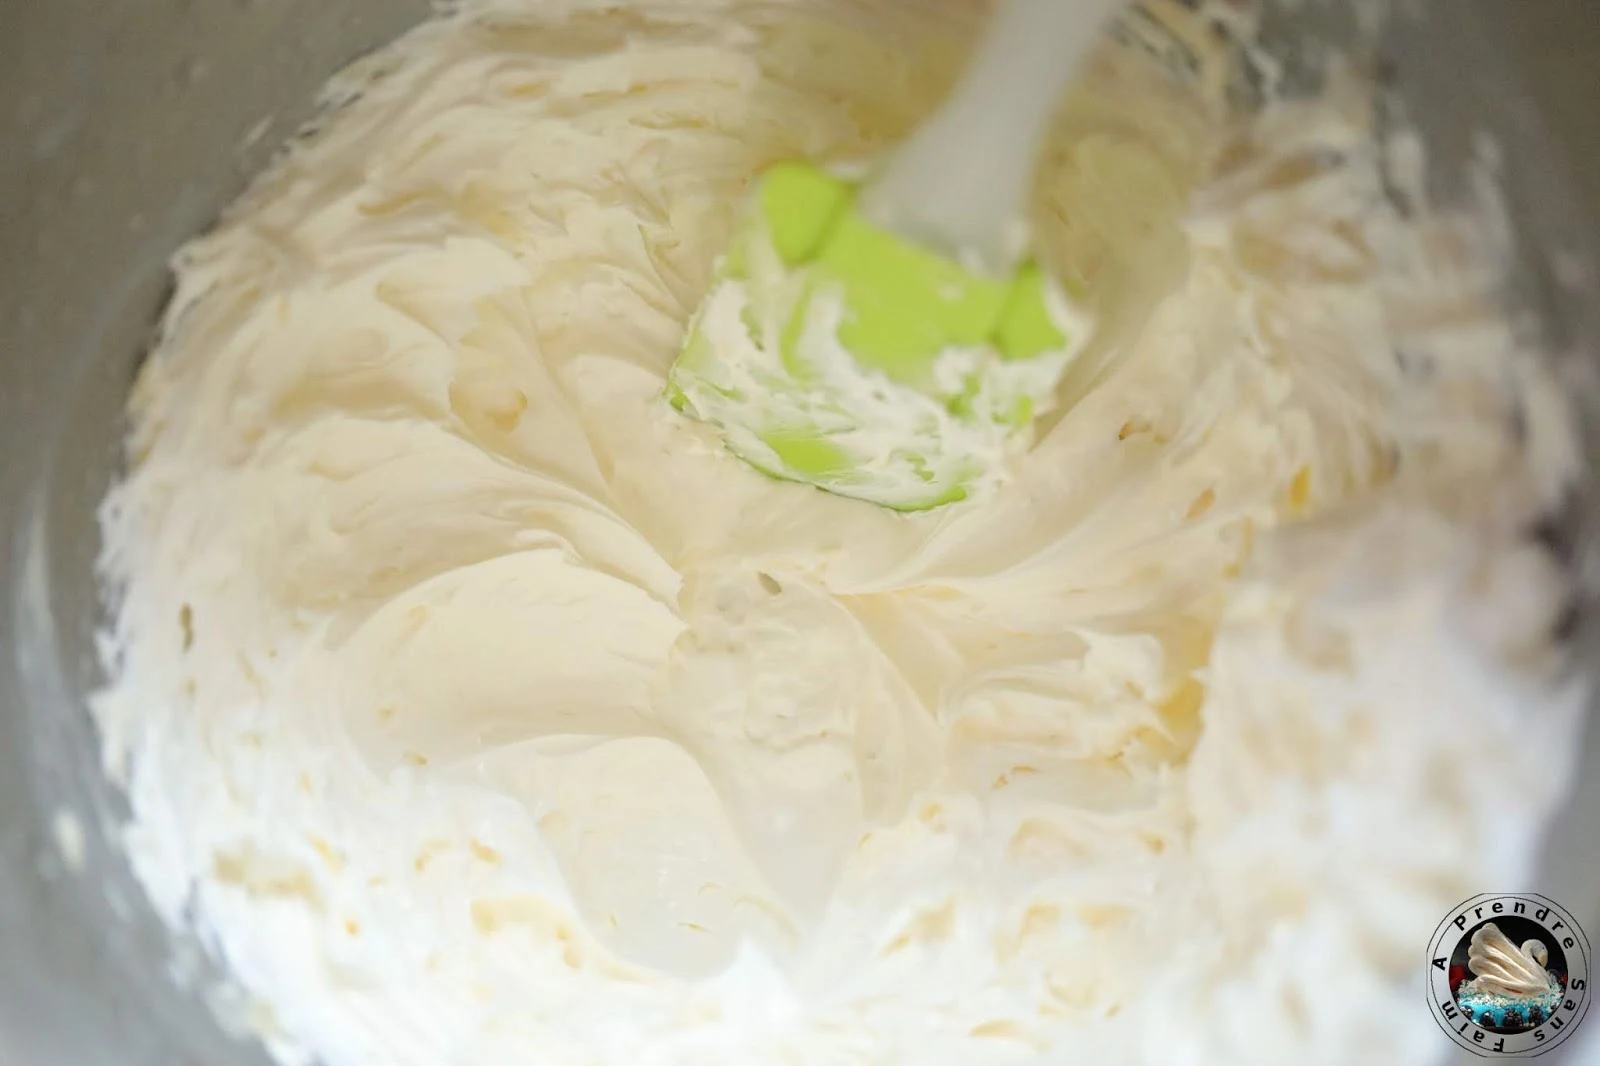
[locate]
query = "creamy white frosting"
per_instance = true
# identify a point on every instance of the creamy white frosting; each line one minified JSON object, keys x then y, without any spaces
{"x":476,"y":708}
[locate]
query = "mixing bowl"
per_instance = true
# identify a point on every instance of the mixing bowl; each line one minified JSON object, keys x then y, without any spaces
{"x":124,"y":128}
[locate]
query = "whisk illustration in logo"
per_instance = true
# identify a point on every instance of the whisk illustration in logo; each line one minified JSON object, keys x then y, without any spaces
{"x":1508,"y":975}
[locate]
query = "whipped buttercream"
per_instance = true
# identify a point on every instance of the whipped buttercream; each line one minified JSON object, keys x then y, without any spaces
{"x":475,"y":707}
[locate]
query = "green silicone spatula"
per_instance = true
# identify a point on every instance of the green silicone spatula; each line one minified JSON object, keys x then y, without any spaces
{"x":892,"y":340}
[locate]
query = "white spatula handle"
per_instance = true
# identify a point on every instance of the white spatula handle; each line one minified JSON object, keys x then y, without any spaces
{"x":960,"y":184}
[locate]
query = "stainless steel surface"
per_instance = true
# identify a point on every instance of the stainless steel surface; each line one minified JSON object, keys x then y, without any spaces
{"x":125,"y":127}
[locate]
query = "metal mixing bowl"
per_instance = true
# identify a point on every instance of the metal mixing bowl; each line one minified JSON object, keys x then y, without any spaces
{"x":123,"y":129}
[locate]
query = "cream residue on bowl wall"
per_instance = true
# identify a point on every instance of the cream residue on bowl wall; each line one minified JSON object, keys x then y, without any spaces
{"x":475,"y":708}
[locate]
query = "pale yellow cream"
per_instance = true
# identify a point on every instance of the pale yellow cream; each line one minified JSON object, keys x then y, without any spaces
{"x":477,"y":709}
